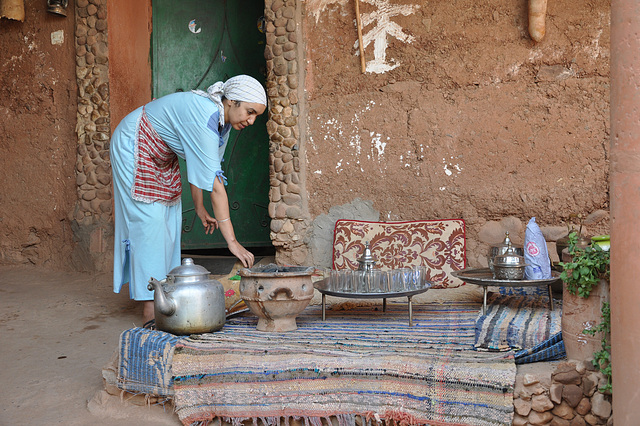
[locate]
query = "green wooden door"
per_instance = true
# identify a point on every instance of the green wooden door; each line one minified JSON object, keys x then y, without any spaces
{"x":194,"y":44}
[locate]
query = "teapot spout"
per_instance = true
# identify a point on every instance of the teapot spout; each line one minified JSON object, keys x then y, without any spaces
{"x":165,"y":304}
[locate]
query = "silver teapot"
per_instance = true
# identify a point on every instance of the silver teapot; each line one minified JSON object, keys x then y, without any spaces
{"x":188,"y":301}
{"x":367,"y":262}
{"x":500,"y":249}
{"x":509,"y":266}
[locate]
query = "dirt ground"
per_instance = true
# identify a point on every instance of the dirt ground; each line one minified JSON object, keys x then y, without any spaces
{"x":58,"y":330}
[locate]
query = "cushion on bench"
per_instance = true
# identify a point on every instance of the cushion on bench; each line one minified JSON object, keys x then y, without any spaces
{"x":438,"y":244}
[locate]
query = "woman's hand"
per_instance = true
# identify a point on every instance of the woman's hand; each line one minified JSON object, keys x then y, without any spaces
{"x":209,"y":223}
{"x":220,"y":204}
{"x":245,"y":256}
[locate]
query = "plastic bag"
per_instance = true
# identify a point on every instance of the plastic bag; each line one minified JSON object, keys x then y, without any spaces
{"x":535,"y":253}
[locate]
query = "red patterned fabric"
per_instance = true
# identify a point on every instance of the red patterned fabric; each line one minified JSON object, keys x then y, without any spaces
{"x":157,"y":171}
{"x":438,"y":244}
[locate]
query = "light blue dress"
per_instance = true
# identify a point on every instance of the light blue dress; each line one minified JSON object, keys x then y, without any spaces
{"x":147,"y":235}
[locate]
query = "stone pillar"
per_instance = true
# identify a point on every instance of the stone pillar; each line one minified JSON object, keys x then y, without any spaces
{"x":91,"y":220}
{"x":287,"y":199}
{"x":625,"y":209}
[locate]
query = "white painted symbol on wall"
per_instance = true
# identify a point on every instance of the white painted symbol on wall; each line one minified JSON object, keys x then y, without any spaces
{"x":384,"y":27}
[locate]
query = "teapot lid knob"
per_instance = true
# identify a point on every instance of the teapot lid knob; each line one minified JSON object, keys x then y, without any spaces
{"x":188,"y":269}
{"x":507,"y":240}
{"x":367,"y":260}
{"x":510,"y":248}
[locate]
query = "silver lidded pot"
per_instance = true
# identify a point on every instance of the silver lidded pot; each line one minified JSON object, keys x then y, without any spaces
{"x":188,"y":301}
{"x":509,"y":266}
{"x":563,"y":243}
{"x":367,"y":262}
{"x":501,"y":249}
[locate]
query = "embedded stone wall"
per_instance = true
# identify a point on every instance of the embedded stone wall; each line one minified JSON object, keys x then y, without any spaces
{"x":523,"y":132}
{"x":290,"y":208}
{"x":92,"y":215}
{"x":493,"y":232}
{"x":294,"y":95}
{"x":566,"y":396}
{"x":287,"y":207}
{"x":301,"y":175}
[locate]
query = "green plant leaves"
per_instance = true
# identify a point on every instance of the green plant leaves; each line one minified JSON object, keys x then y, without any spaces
{"x":581,"y":275}
{"x":602,"y":358}
{"x":587,"y":267}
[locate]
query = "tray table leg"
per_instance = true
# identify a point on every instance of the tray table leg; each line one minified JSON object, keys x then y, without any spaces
{"x":550,"y":298}
{"x":484,"y":300}
{"x":324,"y":306}
{"x":410,"y":311}
{"x":384,"y":304}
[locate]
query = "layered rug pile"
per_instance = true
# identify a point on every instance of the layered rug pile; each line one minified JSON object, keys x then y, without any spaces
{"x":360,"y":363}
{"x":522,"y":323}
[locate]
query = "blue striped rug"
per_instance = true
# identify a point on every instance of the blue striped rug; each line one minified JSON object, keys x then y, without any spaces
{"x":145,"y":361}
{"x":359,"y":362}
{"x":518,"y":322}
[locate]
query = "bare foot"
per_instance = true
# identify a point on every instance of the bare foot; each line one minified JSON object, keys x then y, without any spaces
{"x":147,"y":311}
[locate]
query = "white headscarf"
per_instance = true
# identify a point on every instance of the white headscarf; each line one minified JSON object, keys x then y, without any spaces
{"x":242,"y":88}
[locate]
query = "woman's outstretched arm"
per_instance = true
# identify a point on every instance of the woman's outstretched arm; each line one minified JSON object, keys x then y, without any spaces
{"x":209,"y":223}
{"x":220,"y":204}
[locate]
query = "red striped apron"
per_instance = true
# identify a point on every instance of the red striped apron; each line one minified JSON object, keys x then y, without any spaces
{"x":157,"y":171}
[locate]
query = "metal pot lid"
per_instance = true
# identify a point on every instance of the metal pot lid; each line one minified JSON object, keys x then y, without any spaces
{"x":509,"y":266}
{"x":188,"y":269}
{"x":509,"y":258}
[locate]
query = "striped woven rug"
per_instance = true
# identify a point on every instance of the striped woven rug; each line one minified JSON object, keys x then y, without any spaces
{"x":517,"y":322}
{"x":359,"y":362}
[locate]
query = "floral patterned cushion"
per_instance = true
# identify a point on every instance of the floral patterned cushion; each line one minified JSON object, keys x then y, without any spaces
{"x":438,"y":244}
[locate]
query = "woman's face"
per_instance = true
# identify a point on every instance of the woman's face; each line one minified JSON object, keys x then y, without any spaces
{"x":242,"y":114}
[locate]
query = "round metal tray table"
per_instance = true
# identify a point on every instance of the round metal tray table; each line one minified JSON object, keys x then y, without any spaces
{"x":321,"y":286}
{"x":484,"y":278}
